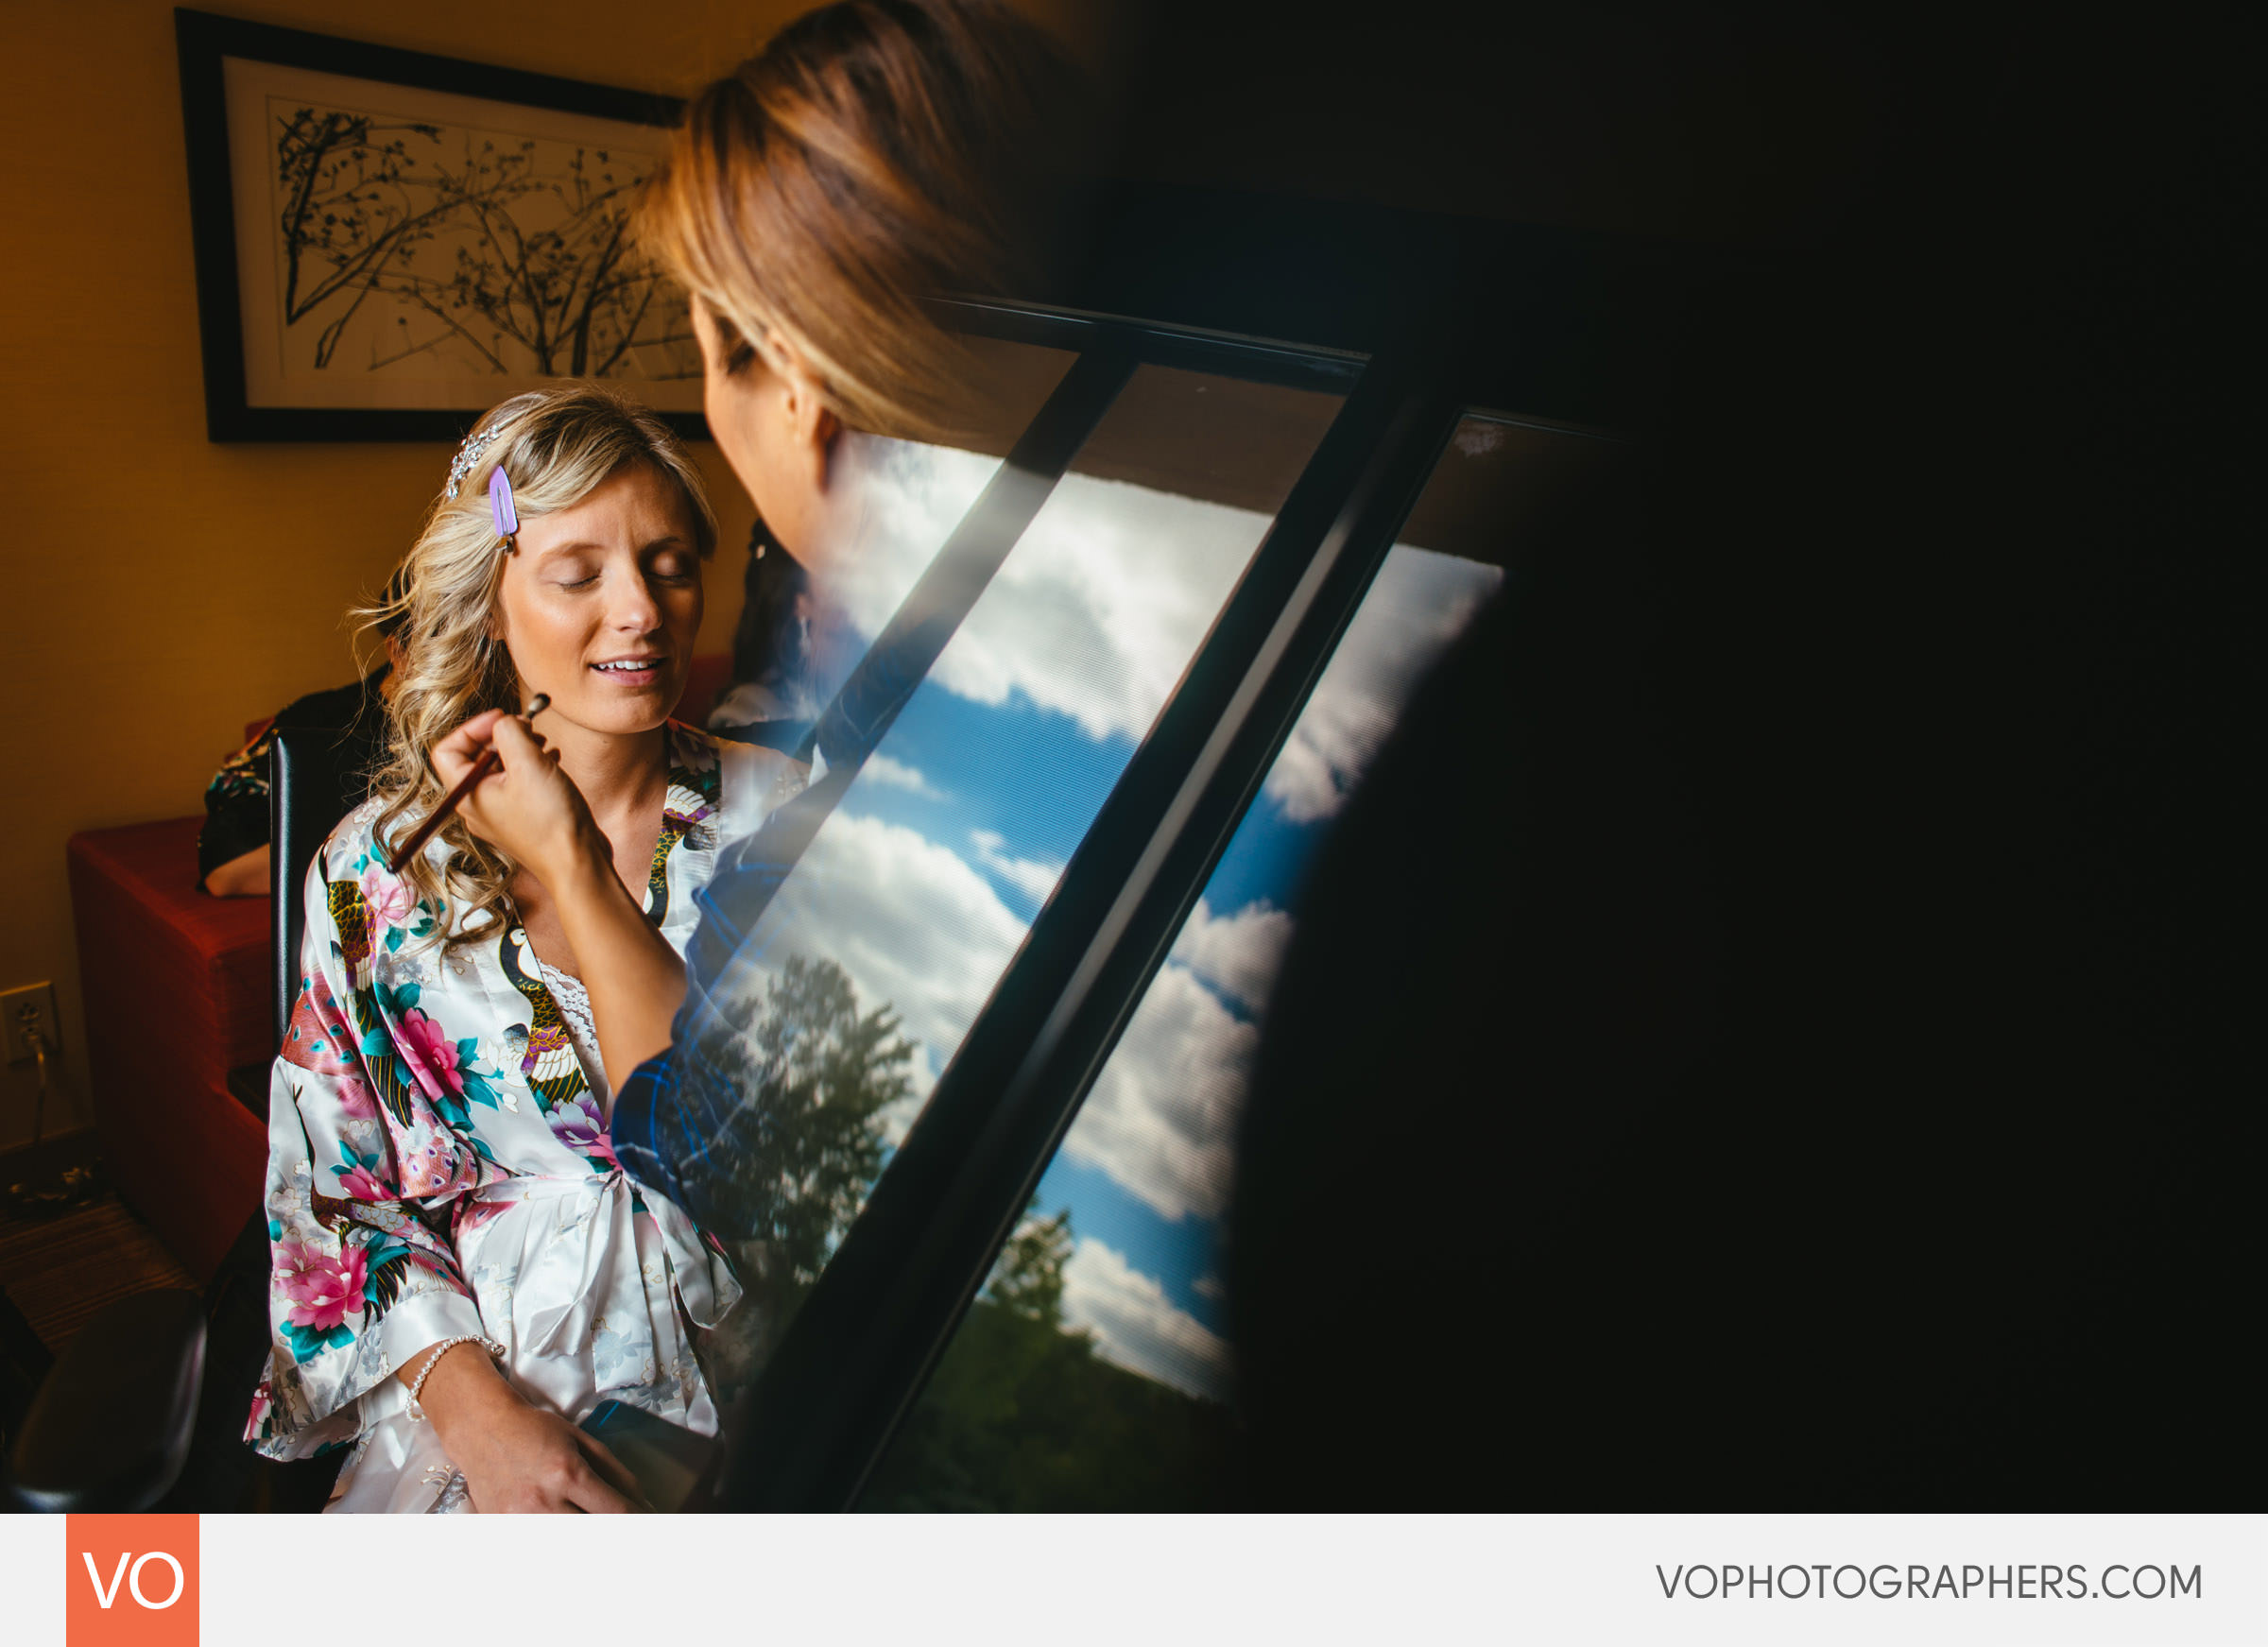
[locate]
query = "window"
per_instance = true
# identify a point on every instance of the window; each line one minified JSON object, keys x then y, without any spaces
{"x":1095,"y":1369}
{"x":853,"y":975}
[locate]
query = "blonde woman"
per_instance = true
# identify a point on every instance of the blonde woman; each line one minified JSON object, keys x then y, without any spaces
{"x":461,"y":1270}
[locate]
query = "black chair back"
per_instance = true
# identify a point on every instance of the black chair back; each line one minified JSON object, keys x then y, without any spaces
{"x":111,"y":1428}
{"x":305,"y":783}
{"x":161,"y":1380}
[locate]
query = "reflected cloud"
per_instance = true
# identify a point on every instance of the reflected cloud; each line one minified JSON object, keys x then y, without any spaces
{"x":1419,"y":602}
{"x":896,"y":775}
{"x":1097,"y":612}
{"x":1034,"y":879}
{"x":1238,"y":954}
{"x":899,"y":502}
{"x":1138,"y":1327}
{"x":1161,"y":1118}
{"x":1093,"y":615}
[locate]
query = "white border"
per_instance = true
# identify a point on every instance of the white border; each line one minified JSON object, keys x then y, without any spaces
{"x":1175,"y":1581}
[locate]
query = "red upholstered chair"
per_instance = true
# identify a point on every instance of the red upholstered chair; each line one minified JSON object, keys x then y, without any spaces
{"x":176,"y":991}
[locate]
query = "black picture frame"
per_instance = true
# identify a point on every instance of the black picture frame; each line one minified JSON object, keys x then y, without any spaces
{"x":204,"y":41}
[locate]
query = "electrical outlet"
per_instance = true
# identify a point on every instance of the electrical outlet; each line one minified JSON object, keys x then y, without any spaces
{"x":34,"y":1003}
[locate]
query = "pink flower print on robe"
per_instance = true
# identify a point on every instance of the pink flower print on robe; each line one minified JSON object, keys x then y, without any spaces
{"x":429,"y":1054}
{"x":322,"y":1289}
{"x":386,"y":900}
{"x":355,"y":1184}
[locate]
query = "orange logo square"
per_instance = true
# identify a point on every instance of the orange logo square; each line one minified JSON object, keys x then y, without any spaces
{"x":131,"y":1581}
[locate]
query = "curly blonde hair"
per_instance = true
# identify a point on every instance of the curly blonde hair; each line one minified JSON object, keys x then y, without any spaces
{"x":558,"y":446}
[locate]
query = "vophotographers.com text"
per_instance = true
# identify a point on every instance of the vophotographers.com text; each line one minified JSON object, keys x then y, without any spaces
{"x":1913,"y":1581}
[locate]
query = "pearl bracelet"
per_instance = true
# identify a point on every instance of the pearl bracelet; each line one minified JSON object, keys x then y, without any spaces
{"x":416,"y":1413}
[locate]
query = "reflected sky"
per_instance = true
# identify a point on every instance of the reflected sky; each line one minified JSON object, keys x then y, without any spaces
{"x":926,"y":881}
{"x":1145,"y":1167}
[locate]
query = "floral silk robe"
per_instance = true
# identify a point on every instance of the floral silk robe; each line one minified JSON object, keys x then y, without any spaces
{"x":438,"y":1165}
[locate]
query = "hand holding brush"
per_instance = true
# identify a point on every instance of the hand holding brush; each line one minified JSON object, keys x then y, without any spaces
{"x":486,"y":766}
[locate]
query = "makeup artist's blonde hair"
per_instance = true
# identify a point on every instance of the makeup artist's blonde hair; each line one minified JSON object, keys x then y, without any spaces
{"x":556,"y":447}
{"x":874,"y":153}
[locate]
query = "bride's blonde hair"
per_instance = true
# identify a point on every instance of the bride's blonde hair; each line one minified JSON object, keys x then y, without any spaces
{"x":556,"y":447}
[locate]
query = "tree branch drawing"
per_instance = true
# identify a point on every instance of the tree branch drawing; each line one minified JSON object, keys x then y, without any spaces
{"x":540,"y":277}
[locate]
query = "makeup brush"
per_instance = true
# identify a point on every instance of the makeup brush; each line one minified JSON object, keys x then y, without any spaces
{"x":487,"y":763}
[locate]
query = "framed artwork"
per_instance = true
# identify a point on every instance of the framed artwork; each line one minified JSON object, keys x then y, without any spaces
{"x":387,"y":242}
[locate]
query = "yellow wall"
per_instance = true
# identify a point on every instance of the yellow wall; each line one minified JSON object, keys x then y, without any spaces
{"x":159,"y":591}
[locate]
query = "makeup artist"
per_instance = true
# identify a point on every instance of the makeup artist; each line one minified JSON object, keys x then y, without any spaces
{"x":874,"y":153}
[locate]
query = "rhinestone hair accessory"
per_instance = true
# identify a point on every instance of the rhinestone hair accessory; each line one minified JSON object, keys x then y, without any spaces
{"x":467,"y":455}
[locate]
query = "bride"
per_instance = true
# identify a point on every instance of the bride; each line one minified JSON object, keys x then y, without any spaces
{"x":461,"y":1269}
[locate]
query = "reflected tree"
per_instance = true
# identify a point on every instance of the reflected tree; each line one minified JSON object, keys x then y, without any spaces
{"x":1028,"y":1280}
{"x":814,"y":1074}
{"x":1022,"y":1415}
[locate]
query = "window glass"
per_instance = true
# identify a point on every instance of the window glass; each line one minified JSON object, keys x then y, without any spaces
{"x":1094,"y":1371}
{"x":862,"y":976}
{"x":895,"y":501}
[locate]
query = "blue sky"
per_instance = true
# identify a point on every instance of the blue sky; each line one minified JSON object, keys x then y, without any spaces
{"x":974,"y":758}
{"x":924,"y":883}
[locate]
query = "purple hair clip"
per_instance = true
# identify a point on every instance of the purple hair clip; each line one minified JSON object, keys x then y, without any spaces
{"x":499,"y":506}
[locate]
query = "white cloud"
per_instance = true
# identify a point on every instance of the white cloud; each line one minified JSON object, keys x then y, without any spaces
{"x":1029,"y":876}
{"x":1138,"y":1327}
{"x":1238,"y":954}
{"x":898,"y":775}
{"x":1099,"y":609}
{"x":1095,"y":613}
{"x":1418,"y":604}
{"x":1161,"y":1118}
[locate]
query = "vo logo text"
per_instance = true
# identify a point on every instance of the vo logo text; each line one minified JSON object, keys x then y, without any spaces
{"x":131,"y":1581}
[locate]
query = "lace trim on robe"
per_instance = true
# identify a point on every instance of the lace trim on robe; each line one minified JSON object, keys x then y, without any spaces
{"x":575,"y":1011}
